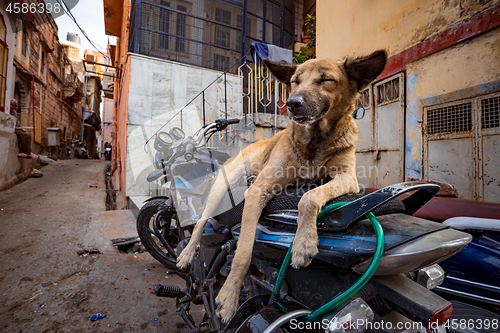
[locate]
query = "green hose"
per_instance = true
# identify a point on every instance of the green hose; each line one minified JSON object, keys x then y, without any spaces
{"x":344,"y":296}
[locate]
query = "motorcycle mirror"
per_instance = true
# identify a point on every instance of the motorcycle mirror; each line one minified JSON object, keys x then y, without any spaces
{"x":154,"y":175}
{"x":177,"y":133}
{"x":358,"y":113}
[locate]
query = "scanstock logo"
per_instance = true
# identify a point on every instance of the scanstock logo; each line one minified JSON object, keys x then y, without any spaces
{"x":39,"y":11}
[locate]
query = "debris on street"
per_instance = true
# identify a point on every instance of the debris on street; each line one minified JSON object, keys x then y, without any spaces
{"x":97,"y":316}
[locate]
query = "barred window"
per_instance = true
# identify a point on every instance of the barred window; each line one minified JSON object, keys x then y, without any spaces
{"x":164,"y":24}
{"x":388,"y":92}
{"x":180,"y":44}
{"x":450,"y":119}
{"x":363,"y":100}
{"x":490,"y":112}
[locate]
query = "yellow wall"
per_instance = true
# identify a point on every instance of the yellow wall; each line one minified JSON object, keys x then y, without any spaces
{"x":358,"y":27}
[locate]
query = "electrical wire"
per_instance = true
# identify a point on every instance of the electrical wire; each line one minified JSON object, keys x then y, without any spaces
{"x":70,"y":15}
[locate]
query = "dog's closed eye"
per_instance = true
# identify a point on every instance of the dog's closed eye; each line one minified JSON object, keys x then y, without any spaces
{"x":327,"y":80}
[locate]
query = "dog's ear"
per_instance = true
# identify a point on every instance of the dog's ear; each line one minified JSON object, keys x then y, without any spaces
{"x":282,"y":70}
{"x":364,"y":70}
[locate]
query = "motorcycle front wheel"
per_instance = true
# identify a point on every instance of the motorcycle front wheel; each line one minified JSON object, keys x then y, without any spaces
{"x":159,"y":241}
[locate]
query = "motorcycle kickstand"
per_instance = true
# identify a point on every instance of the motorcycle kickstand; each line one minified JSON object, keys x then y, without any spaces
{"x":183,"y":311}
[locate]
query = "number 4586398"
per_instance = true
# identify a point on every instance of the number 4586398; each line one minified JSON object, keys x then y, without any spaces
{"x":33,"y":8}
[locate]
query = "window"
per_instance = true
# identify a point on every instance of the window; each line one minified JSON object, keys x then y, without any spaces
{"x":164,"y":24}
{"x":450,"y":119}
{"x":4,"y":55}
{"x":223,"y":34}
{"x":490,"y":113}
{"x":25,"y":47}
{"x":43,"y":67}
{"x":221,"y":63}
{"x":180,"y":43}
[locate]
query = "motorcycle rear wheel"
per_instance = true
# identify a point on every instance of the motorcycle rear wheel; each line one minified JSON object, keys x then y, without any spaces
{"x":145,"y":229}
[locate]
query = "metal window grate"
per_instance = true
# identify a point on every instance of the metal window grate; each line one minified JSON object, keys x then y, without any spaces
{"x":449,"y":119}
{"x":490,"y":112}
{"x":388,"y":91}
{"x":363,"y":100}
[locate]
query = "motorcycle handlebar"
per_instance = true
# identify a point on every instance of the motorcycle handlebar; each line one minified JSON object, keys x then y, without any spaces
{"x":189,"y":151}
{"x":233,"y":121}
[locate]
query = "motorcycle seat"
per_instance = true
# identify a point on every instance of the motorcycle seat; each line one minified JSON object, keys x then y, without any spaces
{"x":230,"y":210}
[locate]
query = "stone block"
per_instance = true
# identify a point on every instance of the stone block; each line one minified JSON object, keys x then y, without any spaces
{"x":119,"y":226}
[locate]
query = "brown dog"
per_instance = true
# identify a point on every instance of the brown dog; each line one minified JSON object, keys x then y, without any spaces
{"x":319,"y":142}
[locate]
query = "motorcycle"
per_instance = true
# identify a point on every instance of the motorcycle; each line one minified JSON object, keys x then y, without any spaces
{"x":107,"y":151}
{"x":326,"y":296}
{"x":79,"y":148}
{"x":472,"y":276}
{"x":186,"y":166}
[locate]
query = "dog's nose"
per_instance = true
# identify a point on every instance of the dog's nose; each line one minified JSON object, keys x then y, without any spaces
{"x":295,"y":103}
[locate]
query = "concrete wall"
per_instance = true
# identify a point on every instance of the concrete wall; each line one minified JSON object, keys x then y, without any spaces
{"x":359,"y":27}
{"x":158,"y":90}
{"x":448,"y":50}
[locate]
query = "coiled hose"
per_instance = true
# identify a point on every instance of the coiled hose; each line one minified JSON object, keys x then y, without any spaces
{"x":363,"y":279}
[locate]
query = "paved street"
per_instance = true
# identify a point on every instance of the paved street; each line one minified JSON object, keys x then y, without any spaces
{"x":47,"y":226}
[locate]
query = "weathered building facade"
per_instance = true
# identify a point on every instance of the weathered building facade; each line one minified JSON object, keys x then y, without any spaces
{"x":46,"y":87}
{"x":35,"y":72}
{"x":433,"y":113}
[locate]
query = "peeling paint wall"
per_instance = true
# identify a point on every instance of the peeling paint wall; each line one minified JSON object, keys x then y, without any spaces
{"x":466,"y":70}
{"x":359,"y":27}
{"x":449,"y":50}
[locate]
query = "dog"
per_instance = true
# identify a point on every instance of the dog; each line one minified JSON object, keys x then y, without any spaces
{"x":319,"y":141}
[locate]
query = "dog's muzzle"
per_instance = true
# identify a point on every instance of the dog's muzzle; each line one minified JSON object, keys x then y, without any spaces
{"x":295,"y":105}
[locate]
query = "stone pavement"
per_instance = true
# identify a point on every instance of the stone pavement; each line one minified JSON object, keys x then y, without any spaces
{"x":58,"y":268}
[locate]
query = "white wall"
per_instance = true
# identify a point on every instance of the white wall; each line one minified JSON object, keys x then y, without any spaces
{"x":158,"y":90}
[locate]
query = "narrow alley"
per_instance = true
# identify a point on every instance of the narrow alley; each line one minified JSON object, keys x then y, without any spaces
{"x":58,"y":269}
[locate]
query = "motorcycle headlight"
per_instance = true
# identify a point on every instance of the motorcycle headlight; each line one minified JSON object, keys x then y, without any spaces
{"x":353,"y":318}
{"x":158,"y":156}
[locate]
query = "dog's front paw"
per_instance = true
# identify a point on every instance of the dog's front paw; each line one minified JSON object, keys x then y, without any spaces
{"x":186,"y":257}
{"x":304,"y":250}
{"x":227,"y":301}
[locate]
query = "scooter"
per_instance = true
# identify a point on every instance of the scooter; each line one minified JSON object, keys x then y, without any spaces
{"x":107,"y":151}
{"x":79,"y":148}
{"x":369,"y":275}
